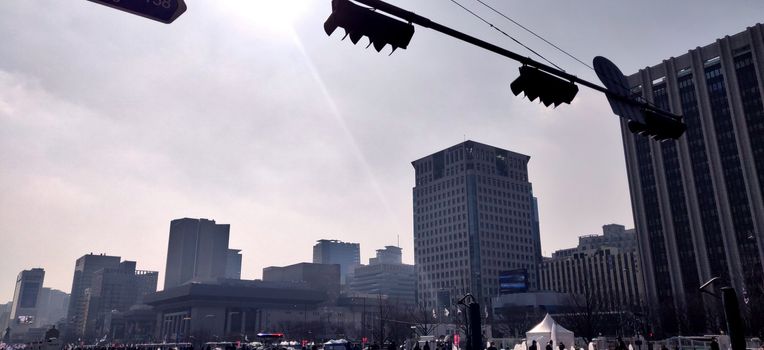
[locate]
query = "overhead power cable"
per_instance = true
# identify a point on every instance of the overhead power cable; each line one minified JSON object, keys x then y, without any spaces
{"x":505,"y":34}
{"x":534,"y":33}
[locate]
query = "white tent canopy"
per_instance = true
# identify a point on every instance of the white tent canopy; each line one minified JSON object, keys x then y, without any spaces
{"x":548,"y":330}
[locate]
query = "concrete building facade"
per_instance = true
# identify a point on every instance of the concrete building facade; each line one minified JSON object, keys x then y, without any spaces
{"x":697,"y":201}
{"x":84,"y":272}
{"x":323,"y":277}
{"x":233,"y":264}
{"x":473,"y":218}
{"x":330,"y":251}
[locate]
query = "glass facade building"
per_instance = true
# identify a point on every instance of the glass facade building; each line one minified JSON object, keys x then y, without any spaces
{"x":697,"y":201}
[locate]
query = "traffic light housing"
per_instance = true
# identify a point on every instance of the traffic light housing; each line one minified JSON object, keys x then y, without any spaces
{"x":658,"y":125}
{"x":359,"y":21}
{"x":548,"y":88}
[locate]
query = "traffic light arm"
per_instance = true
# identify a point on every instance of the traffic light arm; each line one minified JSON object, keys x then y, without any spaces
{"x":427,"y":23}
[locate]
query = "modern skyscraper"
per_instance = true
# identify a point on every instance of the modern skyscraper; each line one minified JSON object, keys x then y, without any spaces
{"x":697,"y":201}
{"x":26,"y":297}
{"x":347,"y":255}
{"x":473,"y":218}
{"x":84,"y":272}
{"x":197,"y":251}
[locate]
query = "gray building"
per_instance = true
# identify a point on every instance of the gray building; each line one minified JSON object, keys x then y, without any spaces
{"x":233,"y":264}
{"x":26,"y":300}
{"x":84,"y":271}
{"x":197,"y":251}
{"x":474,"y":216}
{"x":323,"y":277}
{"x":386,"y":275}
{"x":604,"y":270}
{"x":697,"y":201}
{"x":330,"y":251}
{"x":52,"y":306}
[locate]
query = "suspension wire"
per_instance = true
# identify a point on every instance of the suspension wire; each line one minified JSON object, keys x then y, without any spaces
{"x":505,"y":34}
{"x":532,"y":32}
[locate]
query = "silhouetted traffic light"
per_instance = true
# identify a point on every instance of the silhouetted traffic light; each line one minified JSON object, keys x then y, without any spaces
{"x":359,"y":21}
{"x":657,"y":125}
{"x":548,"y":88}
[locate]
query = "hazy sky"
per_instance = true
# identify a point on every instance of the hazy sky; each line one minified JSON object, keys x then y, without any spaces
{"x":245,"y":112}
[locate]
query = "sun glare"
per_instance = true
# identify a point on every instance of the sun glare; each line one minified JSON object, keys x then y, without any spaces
{"x":270,"y":13}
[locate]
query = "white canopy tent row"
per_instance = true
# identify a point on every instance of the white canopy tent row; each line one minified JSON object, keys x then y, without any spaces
{"x":548,"y":330}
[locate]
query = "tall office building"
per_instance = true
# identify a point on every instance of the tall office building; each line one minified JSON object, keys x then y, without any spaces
{"x":84,"y":272}
{"x":474,"y":217}
{"x":697,"y":201}
{"x":330,"y":251}
{"x":26,"y":299}
{"x":197,"y":251}
{"x":52,"y":306}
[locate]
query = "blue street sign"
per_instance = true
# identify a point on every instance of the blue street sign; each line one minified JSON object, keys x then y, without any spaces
{"x":164,"y":11}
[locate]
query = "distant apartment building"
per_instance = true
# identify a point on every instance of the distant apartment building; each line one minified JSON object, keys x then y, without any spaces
{"x":604,"y":269}
{"x":347,"y":255}
{"x":197,"y":252}
{"x":386,"y":275}
{"x":84,"y":272}
{"x":698,"y":202}
{"x":474,"y":217}
{"x":323,"y":277}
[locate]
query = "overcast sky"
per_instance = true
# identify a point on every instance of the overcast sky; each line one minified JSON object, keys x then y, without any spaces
{"x":245,"y":112}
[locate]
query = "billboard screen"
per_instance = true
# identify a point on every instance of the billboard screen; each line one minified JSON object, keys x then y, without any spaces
{"x":25,"y":319}
{"x":513,"y":281}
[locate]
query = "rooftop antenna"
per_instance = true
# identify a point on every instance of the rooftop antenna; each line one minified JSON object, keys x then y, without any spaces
{"x":399,"y":240}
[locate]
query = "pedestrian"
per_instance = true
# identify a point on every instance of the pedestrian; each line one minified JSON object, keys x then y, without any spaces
{"x":416,"y":345}
{"x":492,"y":346}
{"x":714,"y":344}
{"x":561,"y":346}
{"x":663,"y":347}
{"x":549,"y":346}
{"x":427,"y":345}
{"x":533,"y":346}
{"x":621,"y":344}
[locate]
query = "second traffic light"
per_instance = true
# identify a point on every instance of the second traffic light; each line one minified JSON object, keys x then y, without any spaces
{"x":359,"y":21}
{"x":544,"y":86}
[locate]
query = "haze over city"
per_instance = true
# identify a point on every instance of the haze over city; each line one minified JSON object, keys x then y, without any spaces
{"x":246,"y":113}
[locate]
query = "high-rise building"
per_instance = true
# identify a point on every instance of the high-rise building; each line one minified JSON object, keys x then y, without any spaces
{"x":347,"y":255}
{"x":386,"y":275}
{"x":26,"y":299}
{"x":603,"y":270}
{"x":197,"y":251}
{"x":114,"y":289}
{"x":84,"y":272}
{"x":697,"y":201}
{"x":233,"y":264}
{"x":473,"y":218}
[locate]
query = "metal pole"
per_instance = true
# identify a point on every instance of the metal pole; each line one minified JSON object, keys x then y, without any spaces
{"x":734,"y":321}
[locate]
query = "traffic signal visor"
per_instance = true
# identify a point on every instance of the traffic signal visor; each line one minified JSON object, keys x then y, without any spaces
{"x":359,"y":21}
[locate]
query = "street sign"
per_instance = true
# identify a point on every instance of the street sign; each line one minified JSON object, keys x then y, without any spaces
{"x":164,"y":11}
{"x":616,"y":83}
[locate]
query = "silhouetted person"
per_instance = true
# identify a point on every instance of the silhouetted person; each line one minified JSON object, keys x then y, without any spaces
{"x":621,"y":344}
{"x":533,"y":346}
{"x":561,"y":346}
{"x":416,"y":346}
{"x":492,"y":346}
{"x":426,"y":345}
{"x":663,"y":347}
{"x":549,"y":345}
{"x":714,"y":344}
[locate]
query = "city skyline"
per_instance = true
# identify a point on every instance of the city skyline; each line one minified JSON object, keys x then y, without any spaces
{"x":210,"y":126}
